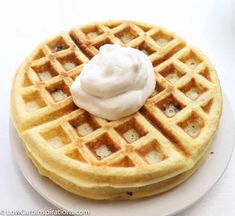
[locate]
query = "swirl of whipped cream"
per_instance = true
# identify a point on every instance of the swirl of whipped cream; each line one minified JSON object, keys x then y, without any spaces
{"x":115,"y":83}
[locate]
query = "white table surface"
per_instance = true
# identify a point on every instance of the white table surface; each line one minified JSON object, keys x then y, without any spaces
{"x":209,"y":25}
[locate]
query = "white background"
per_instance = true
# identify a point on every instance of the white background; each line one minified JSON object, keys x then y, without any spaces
{"x":209,"y":25}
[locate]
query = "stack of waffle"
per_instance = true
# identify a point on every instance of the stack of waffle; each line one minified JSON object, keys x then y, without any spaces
{"x":147,"y":153}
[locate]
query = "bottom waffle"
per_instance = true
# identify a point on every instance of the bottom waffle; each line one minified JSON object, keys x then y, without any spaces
{"x":110,"y":193}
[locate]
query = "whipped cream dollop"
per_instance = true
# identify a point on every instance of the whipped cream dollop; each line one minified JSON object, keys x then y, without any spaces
{"x":115,"y":83}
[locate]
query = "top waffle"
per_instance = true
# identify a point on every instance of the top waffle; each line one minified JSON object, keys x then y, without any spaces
{"x":165,"y":138}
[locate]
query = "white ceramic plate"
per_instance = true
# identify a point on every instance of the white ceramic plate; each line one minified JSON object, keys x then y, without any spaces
{"x":168,"y":203}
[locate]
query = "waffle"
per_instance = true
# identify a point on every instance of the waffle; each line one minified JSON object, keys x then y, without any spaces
{"x":144,"y":154}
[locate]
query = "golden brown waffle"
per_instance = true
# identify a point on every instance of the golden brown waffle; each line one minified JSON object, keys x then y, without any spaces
{"x":146,"y":153}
